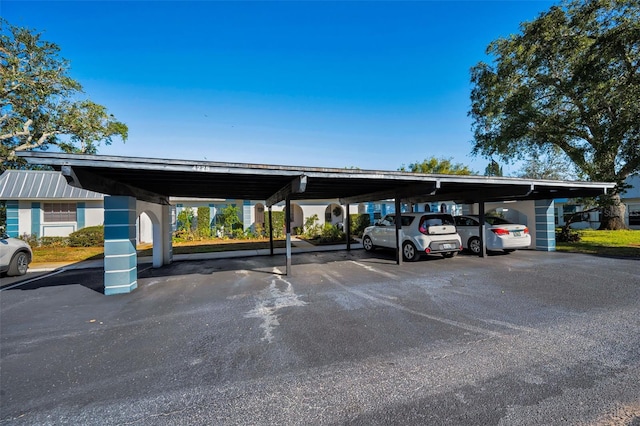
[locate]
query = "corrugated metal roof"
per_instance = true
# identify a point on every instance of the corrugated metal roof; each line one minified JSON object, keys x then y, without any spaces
{"x":40,"y":185}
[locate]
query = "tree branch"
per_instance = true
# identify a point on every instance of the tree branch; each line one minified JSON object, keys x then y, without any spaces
{"x":25,"y":130}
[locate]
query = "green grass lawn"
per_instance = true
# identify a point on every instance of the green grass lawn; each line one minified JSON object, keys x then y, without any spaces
{"x":625,"y":243}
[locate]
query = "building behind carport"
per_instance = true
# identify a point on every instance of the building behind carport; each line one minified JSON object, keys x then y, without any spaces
{"x":137,"y":185}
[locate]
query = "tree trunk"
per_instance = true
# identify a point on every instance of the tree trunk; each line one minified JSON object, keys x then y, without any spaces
{"x":613,"y":214}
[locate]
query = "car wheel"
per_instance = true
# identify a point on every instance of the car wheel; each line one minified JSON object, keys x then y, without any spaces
{"x":449,"y":254}
{"x":367,"y":243}
{"x":19,"y":264}
{"x":409,"y":252}
{"x":509,"y":250}
{"x":474,"y":245}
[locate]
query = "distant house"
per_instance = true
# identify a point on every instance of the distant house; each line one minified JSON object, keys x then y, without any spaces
{"x":43,"y":204}
{"x":630,"y":198}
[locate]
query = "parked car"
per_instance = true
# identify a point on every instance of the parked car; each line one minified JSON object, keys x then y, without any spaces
{"x":15,"y":255}
{"x":422,"y":233}
{"x":500,"y":233}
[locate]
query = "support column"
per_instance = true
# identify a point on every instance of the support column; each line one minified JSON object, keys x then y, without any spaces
{"x":398,"y":231}
{"x":348,"y":227}
{"x":120,"y":257}
{"x":545,"y":225}
{"x":166,"y":223}
{"x":270,"y":231}
{"x":287,"y":221}
{"x":481,"y":230}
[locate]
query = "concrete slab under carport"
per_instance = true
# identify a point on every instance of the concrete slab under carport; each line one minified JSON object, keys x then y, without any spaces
{"x":530,"y":338}
{"x":133,"y":180}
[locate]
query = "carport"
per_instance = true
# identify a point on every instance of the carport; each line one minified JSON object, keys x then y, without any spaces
{"x":135,"y":184}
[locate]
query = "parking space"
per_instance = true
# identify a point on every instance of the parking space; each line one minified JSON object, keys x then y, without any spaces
{"x":526,"y":338}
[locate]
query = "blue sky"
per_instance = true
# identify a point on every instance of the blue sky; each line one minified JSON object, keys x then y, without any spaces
{"x":373,"y":85}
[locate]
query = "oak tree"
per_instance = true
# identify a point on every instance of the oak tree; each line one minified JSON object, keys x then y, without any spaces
{"x":569,"y":80}
{"x":41,"y":106}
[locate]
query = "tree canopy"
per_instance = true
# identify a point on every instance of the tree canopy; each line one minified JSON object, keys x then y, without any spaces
{"x":571,"y":80}
{"x":41,"y":105}
{"x":433,"y":165}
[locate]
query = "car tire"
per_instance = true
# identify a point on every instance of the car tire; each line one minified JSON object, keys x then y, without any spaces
{"x":449,"y":255}
{"x":409,"y":252}
{"x":367,"y":243}
{"x":474,"y":245}
{"x":19,"y":264}
{"x":509,"y":250}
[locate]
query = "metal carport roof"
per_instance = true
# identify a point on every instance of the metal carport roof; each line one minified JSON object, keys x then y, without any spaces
{"x":155,"y":180}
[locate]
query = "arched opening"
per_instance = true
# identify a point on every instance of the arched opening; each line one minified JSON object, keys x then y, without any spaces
{"x":334,"y":214}
{"x":149,"y":227}
{"x":297,"y":217}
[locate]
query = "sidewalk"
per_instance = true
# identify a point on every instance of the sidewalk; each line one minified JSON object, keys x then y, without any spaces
{"x":300,"y":247}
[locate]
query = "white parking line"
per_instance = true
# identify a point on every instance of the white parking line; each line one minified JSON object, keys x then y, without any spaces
{"x":33,"y":279}
{"x":374,"y":270}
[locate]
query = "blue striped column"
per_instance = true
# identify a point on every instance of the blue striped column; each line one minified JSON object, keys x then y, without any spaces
{"x":120,"y":257}
{"x":13,"y":221}
{"x":35,"y":219}
{"x":545,"y":225}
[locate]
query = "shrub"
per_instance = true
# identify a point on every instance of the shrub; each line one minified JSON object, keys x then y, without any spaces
{"x":278,"y":224}
{"x":311,"y":227}
{"x":358,"y":223}
{"x":185,"y":217}
{"x":54,"y":241}
{"x":204,"y":220}
{"x":91,"y":236}
{"x":330,"y":234}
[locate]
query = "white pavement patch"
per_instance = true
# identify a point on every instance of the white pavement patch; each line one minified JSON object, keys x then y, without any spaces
{"x":270,"y":300}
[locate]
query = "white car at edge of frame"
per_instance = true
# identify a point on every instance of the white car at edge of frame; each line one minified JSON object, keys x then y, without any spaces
{"x":15,"y":255}
{"x":500,"y":234}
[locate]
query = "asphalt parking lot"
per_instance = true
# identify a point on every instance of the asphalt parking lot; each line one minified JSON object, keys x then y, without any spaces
{"x":349,"y":338}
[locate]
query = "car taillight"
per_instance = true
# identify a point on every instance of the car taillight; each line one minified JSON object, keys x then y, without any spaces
{"x":526,"y":230}
{"x":500,"y":231}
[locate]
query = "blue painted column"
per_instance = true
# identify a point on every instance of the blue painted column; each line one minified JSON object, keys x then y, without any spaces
{"x":120,"y":257}
{"x":545,"y":225}
{"x":35,"y":219}
{"x":80,"y":217}
{"x":13,"y":219}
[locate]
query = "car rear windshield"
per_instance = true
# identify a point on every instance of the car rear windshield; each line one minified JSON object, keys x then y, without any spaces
{"x":436,"y":220}
{"x":389,"y":220}
{"x":494,"y":220}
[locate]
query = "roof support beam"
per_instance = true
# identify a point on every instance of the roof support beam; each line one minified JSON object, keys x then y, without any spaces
{"x":483,"y":194}
{"x":81,"y":178}
{"x":296,"y":186}
{"x":406,"y":191}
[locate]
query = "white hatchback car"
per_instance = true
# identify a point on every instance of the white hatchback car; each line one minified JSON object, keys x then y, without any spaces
{"x":500,"y":233}
{"x":422,"y":233}
{"x":15,"y":255}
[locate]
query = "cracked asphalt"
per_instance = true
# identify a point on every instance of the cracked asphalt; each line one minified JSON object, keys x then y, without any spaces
{"x":529,"y":338}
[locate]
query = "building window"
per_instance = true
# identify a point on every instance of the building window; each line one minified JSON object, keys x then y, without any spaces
{"x":59,"y":212}
{"x":634,"y":214}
